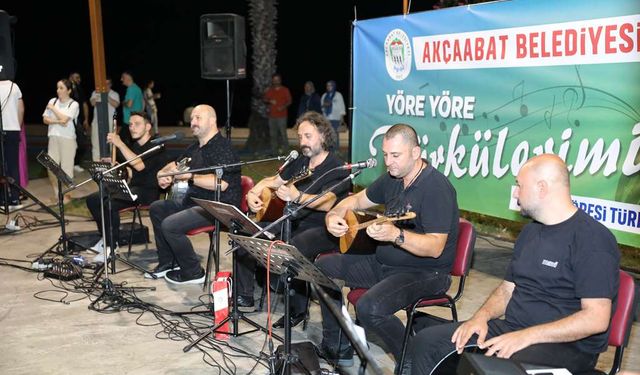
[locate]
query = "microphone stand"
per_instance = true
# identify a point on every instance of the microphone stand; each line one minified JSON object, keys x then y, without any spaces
{"x":287,"y":327}
{"x":109,"y":291}
{"x":99,"y":177}
{"x":222,"y":166}
{"x":294,"y":209}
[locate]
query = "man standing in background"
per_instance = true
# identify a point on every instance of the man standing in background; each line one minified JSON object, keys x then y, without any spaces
{"x":82,"y":123}
{"x":113,"y":103}
{"x":133,"y":102}
{"x":12,"y":116}
{"x":278,"y":98}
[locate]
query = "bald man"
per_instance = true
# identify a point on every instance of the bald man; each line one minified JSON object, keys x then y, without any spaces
{"x":173,"y":218}
{"x":559,"y":290}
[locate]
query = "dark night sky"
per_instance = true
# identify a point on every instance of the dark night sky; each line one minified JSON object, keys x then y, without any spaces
{"x":160,"y":40}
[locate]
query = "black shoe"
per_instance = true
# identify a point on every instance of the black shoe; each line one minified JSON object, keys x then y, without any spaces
{"x":294,"y":318}
{"x":176,"y":277}
{"x":342,"y":358}
{"x":160,"y":271}
{"x":245,"y":303}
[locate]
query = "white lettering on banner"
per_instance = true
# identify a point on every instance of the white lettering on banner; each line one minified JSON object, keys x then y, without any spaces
{"x":620,"y":216}
{"x":592,"y":158}
{"x":597,"y":41}
{"x":408,"y":105}
{"x":445,"y":106}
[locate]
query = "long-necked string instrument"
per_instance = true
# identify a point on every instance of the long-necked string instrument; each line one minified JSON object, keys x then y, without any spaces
{"x":353,"y":235}
{"x":272,"y":205}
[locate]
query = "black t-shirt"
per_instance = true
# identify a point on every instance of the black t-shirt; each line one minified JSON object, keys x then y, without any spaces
{"x":554,"y":266}
{"x":218,"y":151}
{"x":309,"y":216}
{"x":434,"y":200}
{"x":145,"y":181}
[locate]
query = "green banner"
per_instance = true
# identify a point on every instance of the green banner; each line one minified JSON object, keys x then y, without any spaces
{"x":487,"y":88}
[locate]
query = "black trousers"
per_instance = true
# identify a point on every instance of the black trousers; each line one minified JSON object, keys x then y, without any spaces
{"x":171,"y":222}
{"x":390,"y":290}
{"x":310,"y":241}
{"x":145,"y":196}
{"x":432,"y":344}
{"x":11,"y":166}
{"x":81,"y":140}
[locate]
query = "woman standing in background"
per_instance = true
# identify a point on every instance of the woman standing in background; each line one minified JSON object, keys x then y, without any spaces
{"x":60,"y":115}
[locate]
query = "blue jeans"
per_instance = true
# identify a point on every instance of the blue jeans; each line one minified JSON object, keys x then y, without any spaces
{"x":390,"y":290}
{"x":432,"y":344}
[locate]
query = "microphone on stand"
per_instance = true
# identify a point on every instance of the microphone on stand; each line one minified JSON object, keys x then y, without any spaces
{"x":173,"y":137}
{"x":369,"y":163}
{"x":293,"y":155}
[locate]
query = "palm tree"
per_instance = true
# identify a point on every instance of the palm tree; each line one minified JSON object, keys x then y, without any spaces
{"x":263,"y":16}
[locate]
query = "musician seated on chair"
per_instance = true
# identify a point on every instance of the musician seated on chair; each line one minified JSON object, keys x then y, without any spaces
{"x":142,"y":182}
{"x":557,"y":294}
{"x":173,"y":218}
{"x":309,"y":235}
{"x":413,"y":257}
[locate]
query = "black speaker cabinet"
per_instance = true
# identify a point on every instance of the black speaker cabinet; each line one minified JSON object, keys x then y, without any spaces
{"x":7,"y":64}
{"x":222,"y":46}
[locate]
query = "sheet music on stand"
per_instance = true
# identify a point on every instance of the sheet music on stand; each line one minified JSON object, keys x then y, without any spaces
{"x":51,"y":165}
{"x":231,"y":217}
{"x":115,"y":185}
{"x":100,"y":166}
{"x":284,"y":257}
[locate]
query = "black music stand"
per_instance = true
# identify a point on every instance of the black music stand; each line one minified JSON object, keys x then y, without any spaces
{"x":348,"y":327}
{"x":116,"y":187}
{"x":233,"y":219}
{"x":236,"y":222}
{"x":286,"y":261}
{"x":108,"y":179}
{"x":63,"y":178}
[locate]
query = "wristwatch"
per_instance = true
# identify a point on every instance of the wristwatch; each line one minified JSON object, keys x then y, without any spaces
{"x":400,"y":239}
{"x":190,"y":181}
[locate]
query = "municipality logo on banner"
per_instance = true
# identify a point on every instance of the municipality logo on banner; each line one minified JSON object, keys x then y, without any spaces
{"x":397,"y":54}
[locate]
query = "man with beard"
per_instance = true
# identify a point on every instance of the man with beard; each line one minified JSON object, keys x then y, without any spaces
{"x":413,"y":257}
{"x":172,"y":219}
{"x":559,"y":290}
{"x":316,"y":137}
{"x":142,"y":182}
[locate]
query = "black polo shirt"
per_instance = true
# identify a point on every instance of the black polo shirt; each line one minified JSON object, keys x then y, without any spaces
{"x":218,"y":151}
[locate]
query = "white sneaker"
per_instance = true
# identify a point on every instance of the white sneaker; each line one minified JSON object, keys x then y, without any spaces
{"x":15,"y":207}
{"x":78,"y":168}
{"x":98,"y":247}
{"x":99,"y":258}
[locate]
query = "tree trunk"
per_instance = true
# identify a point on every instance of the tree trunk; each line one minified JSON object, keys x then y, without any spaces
{"x":262,"y":21}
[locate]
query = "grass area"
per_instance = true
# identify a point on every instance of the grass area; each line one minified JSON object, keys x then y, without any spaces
{"x":487,"y":225}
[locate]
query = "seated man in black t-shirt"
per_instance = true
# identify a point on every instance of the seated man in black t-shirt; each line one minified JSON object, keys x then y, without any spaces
{"x":173,"y":218}
{"x":142,"y":182}
{"x":413,"y":258}
{"x":559,"y":289}
{"x":308,"y":234}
